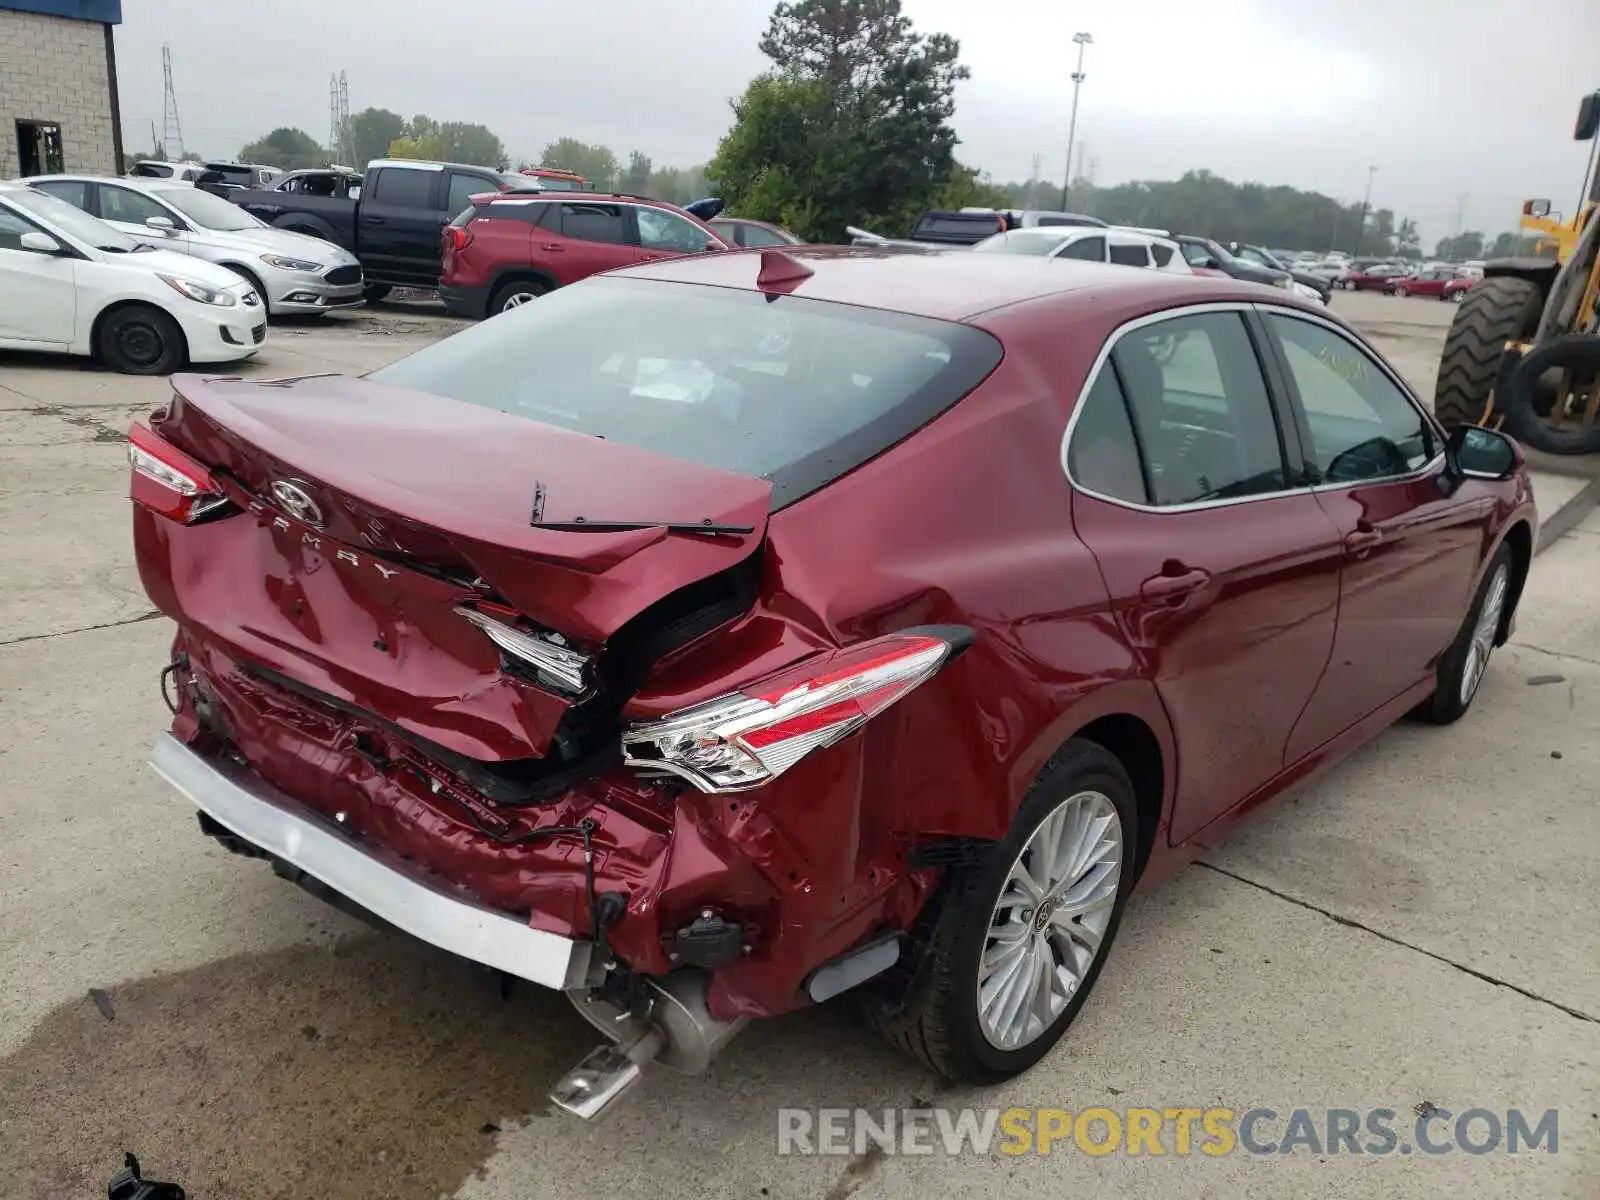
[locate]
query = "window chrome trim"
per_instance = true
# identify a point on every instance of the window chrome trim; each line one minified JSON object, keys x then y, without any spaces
{"x":1242,"y":307}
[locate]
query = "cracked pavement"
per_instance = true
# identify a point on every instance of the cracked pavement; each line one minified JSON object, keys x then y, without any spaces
{"x":1418,"y":926}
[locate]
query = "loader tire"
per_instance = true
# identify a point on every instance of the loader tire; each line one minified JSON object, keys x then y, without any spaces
{"x":1474,"y":369}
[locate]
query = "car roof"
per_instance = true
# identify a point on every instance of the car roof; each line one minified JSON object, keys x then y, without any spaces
{"x":137,"y":183}
{"x":952,"y":285}
{"x":537,"y":196}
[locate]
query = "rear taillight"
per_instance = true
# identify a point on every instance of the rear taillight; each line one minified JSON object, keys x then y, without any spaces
{"x":168,"y":481}
{"x":749,"y":738}
{"x":556,"y":663}
{"x":456,"y":239}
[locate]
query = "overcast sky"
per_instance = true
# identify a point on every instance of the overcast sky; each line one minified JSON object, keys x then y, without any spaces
{"x":1450,"y":99}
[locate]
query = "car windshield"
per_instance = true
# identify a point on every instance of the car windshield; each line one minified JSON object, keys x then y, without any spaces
{"x":208,"y":211}
{"x":73,"y":222}
{"x":1036,"y":242}
{"x":788,"y":389}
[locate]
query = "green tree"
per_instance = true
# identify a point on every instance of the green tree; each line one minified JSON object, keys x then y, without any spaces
{"x":372,"y":131}
{"x":429,"y":147}
{"x":596,"y":163}
{"x":289,"y":149}
{"x":1407,"y":241}
{"x":968,"y":189}
{"x":1460,"y":248}
{"x":679,"y":185}
{"x":636,"y":179}
{"x":475,"y":144}
{"x":851,"y":126}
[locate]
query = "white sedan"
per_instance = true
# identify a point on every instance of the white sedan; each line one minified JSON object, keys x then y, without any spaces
{"x":71,"y":284}
{"x":1113,"y":244}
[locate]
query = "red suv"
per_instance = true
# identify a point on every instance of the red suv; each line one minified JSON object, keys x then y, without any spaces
{"x":508,"y":249}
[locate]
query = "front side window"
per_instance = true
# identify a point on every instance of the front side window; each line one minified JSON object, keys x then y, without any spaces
{"x":404,"y":187}
{"x":661,"y":230}
{"x":1090,"y":249}
{"x":1200,"y":409}
{"x":1129,"y":255}
{"x":128,"y":206}
{"x":1362,"y":425}
{"x":12,"y":227}
{"x":594,"y":223}
{"x":784,"y":388}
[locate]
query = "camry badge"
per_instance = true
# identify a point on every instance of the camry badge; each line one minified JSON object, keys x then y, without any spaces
{"x":291,"y":494}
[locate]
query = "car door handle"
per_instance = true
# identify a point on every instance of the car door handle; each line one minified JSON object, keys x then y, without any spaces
{"x":551,"y":246}
{"x":1362,"y":539}
{"x":1174,"y":588}
{"x":377,"y":221}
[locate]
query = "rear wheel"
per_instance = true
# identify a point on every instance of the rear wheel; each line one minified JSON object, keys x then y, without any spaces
{"x":141,"y":340}
{"x":1492,"y":312}
{"x":516,"y":293}
{"x":1021,"y":939}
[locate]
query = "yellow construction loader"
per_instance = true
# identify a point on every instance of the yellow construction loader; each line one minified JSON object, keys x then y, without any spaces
{"x":1524,"y":350}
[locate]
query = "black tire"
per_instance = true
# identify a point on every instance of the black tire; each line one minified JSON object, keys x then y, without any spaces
{"x":941,"y":1028}
{"x":512,"y":289}
{"x":374,"y":292}
{"x":1576,"y":353}
{"x":1447,"y":703}
{"x":1496,"y":310}
{"x":140,"y":339}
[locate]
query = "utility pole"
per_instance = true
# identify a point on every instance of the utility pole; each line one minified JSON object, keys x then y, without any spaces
{"x":1081,"y":40}
{"x":171,"y":126}
{"x":1366,"y":207}
{"x":1033,"y":182}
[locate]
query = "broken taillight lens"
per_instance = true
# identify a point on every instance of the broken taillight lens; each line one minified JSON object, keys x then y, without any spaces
{"x":168,"y":481}
{"x":551,"y":658}
{"x":749,"y":738}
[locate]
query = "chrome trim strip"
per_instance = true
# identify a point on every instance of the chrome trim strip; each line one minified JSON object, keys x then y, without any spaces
{"x":260,"y":814}
{"x":1238,"y":306}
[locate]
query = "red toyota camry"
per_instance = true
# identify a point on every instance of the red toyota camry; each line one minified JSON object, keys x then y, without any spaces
{"x":714,"y":637}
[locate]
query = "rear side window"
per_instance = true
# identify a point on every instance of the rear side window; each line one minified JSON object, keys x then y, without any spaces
{"x":1162,"y":254}
{"x":463,"y":188}
{"x":783,"y":388}
{"x":594,"y":223}
{"x":404,"y":187}
{"x":1129,"y":256}
{"x":1103,"y":457}
{"x":1092,"y":249}
{"x":1200,"y":409}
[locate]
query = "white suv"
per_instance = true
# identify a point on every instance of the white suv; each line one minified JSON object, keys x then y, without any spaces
{"x":71,"y":284}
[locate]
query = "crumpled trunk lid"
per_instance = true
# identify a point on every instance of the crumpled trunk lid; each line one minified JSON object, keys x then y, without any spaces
{"x":396,"y":509}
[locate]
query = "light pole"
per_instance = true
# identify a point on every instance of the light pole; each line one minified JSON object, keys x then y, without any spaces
{"x":1082,"y":40}
{"x":1366,"y":207}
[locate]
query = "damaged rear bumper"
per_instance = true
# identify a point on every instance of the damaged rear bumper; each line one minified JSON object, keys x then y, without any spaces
{"x":260,"y":814}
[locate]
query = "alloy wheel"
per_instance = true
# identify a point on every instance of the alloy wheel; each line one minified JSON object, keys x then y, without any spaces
{"x":517,"y":300}
{"x":1048,"y":925}
{"x":1484,"y":632}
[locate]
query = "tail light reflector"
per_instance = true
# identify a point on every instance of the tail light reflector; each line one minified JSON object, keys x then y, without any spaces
{"x":456,"y":239}
{"x":746,"y":739}
{"x":166,"y":480}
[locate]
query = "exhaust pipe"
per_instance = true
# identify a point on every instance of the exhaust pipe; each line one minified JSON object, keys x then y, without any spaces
{"x":678,"y":1031}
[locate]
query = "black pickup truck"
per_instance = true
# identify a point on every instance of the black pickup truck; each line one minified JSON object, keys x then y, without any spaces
{"x":392,"y":221}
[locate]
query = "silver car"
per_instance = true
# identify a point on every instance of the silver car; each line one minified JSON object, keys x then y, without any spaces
{"x":294,"y":273}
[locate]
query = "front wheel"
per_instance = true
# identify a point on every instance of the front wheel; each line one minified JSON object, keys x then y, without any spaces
{"x":1462,"y":668}
{"x":374,"y":292}
{"x":141,"y":340}
{"x":1021,"y":939}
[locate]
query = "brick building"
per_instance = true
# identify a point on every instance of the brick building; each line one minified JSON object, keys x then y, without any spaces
{"x":58,"y":87}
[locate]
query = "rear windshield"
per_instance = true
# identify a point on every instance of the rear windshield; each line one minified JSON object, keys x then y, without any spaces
{"x":783,"y":388}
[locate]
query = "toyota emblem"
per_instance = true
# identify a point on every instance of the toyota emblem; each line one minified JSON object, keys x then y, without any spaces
{"x":292,"y":496}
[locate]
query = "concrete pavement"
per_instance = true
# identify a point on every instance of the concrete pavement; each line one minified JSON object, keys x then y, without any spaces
{"x":1417,"y":927}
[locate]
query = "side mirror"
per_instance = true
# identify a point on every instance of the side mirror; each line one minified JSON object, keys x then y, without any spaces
{"x":1536,"y":208}
{"x":161,"y":224}
{"x":39,"y":243}
{"x":1473,"y":452}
